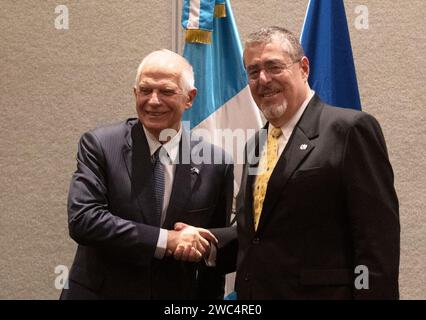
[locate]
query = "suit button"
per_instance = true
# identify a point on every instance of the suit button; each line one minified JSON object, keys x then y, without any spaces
{"x":255,"y":241}
{"x":247,"y":277}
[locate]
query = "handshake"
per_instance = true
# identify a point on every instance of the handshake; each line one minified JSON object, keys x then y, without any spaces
{"x":188,"y":243}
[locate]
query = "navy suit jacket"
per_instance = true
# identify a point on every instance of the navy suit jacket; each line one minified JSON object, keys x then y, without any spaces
{"x":330,"y":206}
{"x":111,"y":216}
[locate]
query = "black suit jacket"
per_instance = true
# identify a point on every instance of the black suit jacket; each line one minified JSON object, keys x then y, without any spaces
{"x":111,"y":216}
{"x":330,"y":206}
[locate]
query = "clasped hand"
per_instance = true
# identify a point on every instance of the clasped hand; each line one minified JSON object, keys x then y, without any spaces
{"x":188,"y":243}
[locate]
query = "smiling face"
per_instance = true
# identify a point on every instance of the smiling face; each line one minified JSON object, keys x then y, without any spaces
{"x":280,"y":85}
{"x":160,"y":98}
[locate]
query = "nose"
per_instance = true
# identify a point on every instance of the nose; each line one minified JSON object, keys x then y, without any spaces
{"x":153,"y":99}
{"x":264,"y":77}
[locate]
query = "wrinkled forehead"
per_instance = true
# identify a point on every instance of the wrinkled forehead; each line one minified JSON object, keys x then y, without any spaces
{"x":261,"y":52}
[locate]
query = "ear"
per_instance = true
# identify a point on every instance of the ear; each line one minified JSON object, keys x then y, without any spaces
{"x":190,"y":98}
{"x":134,"y":91}
{"x":304,"y":63}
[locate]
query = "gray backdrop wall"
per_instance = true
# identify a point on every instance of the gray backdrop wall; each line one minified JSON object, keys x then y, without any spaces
{"x":56,"y":84}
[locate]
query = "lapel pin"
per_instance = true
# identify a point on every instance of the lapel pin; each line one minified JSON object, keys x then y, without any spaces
{"x":195,"y":170}
{"x":303,"y":146}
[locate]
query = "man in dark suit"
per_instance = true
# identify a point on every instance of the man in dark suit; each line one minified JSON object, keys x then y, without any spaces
{"x":317,"y":215}
{"x":134,"y":181}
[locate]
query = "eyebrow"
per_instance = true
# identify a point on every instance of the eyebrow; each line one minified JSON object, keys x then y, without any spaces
{"x":147,"y":84}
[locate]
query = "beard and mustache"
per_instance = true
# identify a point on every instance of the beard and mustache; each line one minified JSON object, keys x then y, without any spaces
{"x":272,"y":112}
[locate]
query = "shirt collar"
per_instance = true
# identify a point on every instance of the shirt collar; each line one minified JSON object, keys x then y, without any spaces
{"x":171,"y":147}
{"x":288,"y":127}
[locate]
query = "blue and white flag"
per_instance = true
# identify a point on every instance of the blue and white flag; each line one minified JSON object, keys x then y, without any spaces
{"x":223,"y":99}
{"x":214,"y":50}
{"x":325,"y":39}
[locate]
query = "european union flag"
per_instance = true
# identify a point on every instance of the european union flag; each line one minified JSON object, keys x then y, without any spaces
{"x":325,"y":39}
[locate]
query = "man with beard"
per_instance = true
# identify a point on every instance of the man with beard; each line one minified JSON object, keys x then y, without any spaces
{"x":319,"y":218}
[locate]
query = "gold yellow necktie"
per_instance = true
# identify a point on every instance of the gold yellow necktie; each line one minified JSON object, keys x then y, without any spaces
{"x":266,"y":166}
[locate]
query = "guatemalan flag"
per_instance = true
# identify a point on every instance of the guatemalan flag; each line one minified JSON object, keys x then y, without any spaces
{"x":325,"y":39}
{"x":224,"y":101}
{"x":212,"y":46}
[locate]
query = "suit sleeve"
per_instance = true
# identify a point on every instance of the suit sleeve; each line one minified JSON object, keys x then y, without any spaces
{"x":211,"y":280}
{"x":373,"y":208}
{"x":89,"y":220}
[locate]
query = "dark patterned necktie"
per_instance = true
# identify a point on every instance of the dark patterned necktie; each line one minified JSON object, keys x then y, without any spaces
{"x":158,"y":174}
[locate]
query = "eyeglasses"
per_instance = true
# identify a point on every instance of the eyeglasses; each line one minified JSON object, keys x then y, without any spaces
{"x":270,"y":67}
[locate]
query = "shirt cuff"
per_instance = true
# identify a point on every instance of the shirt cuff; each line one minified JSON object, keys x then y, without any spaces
{"x":211,"y":260}
{"x":161,"y":244}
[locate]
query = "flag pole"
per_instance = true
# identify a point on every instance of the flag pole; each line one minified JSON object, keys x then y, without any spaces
{"x":176,"y":29}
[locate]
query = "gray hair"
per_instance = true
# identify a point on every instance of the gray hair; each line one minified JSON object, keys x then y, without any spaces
{"x":289,"y":42}
{"x":186,"y":79}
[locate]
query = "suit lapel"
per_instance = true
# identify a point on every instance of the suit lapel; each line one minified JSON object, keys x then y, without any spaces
{"x":186,"y":175}
{"x":138,"y":162}
{"x":291,"y":158}
{"x":253,"y":152}
{"x":298,"y":148}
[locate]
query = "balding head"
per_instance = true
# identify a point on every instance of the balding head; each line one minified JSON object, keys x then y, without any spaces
{"x":168,"y":61}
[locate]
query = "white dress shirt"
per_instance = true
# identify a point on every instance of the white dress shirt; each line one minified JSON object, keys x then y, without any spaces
{"x":172,"y":149}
